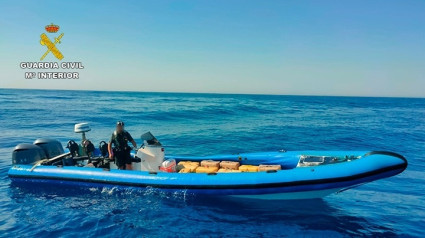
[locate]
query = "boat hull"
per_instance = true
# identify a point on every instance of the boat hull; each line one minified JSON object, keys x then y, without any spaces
{"x":296,"y":183}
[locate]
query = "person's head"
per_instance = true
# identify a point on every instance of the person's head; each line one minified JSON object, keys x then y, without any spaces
{"x":120,"y":126}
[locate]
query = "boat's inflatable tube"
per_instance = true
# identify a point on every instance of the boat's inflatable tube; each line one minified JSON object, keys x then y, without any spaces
{"x":315,"y":180}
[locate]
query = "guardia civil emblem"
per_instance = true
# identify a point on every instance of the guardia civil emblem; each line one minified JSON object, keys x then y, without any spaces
{"x":51,"y":45}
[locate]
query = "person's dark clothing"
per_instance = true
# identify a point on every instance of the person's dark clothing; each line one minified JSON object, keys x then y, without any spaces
{"x":121,"y":148}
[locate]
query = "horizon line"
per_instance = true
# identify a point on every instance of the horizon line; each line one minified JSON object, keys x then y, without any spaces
{"x":216,"y":93}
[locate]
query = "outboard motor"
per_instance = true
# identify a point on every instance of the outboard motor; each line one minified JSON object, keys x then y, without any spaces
{"x":27,"y":154}
{"x":51,"y":147}
{"x":151,"y":154}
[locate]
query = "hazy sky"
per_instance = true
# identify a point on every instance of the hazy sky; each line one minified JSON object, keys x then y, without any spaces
{"x":368,"y":48}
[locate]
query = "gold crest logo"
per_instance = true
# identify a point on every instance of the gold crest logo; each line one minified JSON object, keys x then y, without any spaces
{"x":51,"y":46}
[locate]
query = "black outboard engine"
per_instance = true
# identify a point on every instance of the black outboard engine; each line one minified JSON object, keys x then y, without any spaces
{"x":27,"y":154}
{"x":52,"y":148}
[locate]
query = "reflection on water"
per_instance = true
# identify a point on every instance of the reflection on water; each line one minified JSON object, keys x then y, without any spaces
{"x":119,"y":209}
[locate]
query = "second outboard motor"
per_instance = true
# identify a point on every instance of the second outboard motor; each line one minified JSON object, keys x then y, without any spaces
{"x":27,"y":154}
{"x":51,"y":147}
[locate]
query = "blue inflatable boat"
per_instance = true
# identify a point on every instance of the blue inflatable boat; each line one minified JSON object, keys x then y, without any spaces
{"x":285,"y":174}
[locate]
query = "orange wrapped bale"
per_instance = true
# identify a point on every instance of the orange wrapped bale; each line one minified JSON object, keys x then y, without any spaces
{"x":269,"y":167}
{"x":229,"y":165}
{"x":188,"y":165}
{"x":248,"y":168}
{"x":229,"y":171}
{"x":186,"y":170}
{"x":210,"y":163}
{"x":206,"y":169}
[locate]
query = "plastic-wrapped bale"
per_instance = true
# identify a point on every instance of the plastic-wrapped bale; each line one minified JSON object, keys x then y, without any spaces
{"x":263,"y":167}
{"x":206,"y":169}
{"x":188,"y":163}
{"x":188,"y":166}
{"x":186,"y":170}
{"x":229,"y":171}
{"x":248,"y":168}
{"x":230,"y":165}
{"x":210,"y":164}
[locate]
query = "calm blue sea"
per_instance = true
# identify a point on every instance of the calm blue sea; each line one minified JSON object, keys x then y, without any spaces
{"x":208,"y":124}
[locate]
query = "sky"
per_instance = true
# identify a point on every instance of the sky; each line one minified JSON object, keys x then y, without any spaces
{"x":350,"y":48}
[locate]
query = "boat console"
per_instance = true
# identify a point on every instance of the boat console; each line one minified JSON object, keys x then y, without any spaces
{"x":151,"y":154}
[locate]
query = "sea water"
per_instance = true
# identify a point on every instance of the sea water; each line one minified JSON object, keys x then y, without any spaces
{"x":205,"y":124}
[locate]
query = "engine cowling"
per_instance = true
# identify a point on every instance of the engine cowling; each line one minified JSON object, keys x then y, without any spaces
{"x":51,"y":147}
{"x":27,"y":154}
